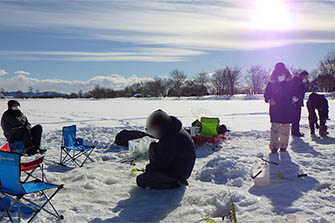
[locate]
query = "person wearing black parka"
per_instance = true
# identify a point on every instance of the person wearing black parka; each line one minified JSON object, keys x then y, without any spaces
{"x":319,"y":103}
{"x":172,"y":158}
{"x":299,"y":88}
{"x":16,"y":127}
{"x":278,"y":94}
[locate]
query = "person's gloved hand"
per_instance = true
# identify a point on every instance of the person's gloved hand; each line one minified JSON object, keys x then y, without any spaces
{"x":28,"y":127}
{"x":294,"y":100}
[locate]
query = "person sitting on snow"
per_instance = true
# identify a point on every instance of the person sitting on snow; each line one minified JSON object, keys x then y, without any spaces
{"x":16,"y":127}
{"x":317,"y":102}
{"x":172,"y":158}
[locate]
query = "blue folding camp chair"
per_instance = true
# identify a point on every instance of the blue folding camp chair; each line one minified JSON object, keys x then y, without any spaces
{"x":27,"y":168}
{"x":74,"y":148}
{"x":17,"y":191}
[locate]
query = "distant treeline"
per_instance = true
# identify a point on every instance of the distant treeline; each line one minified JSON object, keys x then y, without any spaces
{"x":225,"y":81}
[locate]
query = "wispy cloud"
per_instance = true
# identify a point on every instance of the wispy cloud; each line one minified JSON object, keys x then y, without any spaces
{"x":23,"y":82}
{"x":3,"y":72}
{"x":188,"y":24}
{"x":135,"y":54}
{"x":22,"y":72}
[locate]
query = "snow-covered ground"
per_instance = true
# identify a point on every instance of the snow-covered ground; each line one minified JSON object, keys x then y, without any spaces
{"x":104,"y":191}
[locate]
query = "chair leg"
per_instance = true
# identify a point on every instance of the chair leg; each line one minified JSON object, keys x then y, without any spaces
{"x":48,"y":201}
{"x":18,"y":212}
{"x":15,"y":201}
{"x":73,"y":157}
{"x":51,"y":204}
{"x":6,"y":212}
{"x":69,"y":157}
{"x":29,"y":174}
{"x":44,"y":178}
{"x":87,"y":157}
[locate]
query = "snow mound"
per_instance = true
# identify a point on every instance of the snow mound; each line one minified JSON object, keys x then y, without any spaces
{"x":221,"y":170}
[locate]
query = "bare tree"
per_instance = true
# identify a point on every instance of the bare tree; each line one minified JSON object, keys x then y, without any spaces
{"x":233,"y":76}
{"x":160,"y":87}
{"x":313,"y":75}
{"x":219,"y":82}
{"x":257,"y":78}
{"x":327,"y":65}
{"x":295,"y":71}
{"x":202,"y":78}
{"x":80,"y":93}
{"x":201,"y":84}
{"x":178,"y":78}
{"x":326,"y":78}
{"x":19,"y":94}
{"x":30,"y":91}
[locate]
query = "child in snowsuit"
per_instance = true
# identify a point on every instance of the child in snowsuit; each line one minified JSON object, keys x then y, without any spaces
{"x":317,"y":102}
{"x":278,"y":95}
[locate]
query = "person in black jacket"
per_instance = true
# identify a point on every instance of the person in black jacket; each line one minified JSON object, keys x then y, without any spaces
{"x":172,"y":158}
{"x":318,"y":102}
{"x":298,"y":89}
{"x":16,"y":127}
{"x":279,"y":95}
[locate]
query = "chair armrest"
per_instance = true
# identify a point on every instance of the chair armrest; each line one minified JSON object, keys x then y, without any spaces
{"x":79,"y":141}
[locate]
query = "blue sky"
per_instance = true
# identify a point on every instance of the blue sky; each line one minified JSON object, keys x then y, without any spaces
{"x":71,"y":45}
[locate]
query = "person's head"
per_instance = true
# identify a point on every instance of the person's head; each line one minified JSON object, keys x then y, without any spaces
{"x":13,"y":105}
{"x":157,"y":121}
{"x":280,"y":73}
{"x":303,"y":75}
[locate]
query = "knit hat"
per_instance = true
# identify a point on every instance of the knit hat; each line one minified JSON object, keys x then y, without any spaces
{"x":11,"y":103}
{"x":280,"y":69}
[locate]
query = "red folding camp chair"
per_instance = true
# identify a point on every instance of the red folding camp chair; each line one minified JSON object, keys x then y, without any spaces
{"x":28,"y":168}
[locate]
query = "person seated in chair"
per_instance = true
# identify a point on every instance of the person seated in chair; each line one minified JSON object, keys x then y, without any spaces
{"x":16,"y":127}
{"x":318,"y":102}
{"x":172,"y":158}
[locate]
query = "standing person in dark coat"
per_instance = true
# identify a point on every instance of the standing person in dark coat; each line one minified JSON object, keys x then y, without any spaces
{"x":16,"y":127}
{"x":318,"y":102}
{"x":279,"y":95}
{"x":172,"y":158}
{"x":298,"y":89}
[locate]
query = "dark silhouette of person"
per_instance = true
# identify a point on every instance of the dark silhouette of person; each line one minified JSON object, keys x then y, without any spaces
{"x":298,"y":89}
{"x":278,"y":95}
{"x":172,"y":158}
{"x":319,"y":103}
{"x":16,"y":127}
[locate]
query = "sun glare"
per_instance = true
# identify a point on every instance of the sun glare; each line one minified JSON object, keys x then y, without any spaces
{"x":270,"y":15}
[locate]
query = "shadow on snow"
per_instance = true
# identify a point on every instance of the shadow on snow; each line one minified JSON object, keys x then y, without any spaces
{"x":282,"y":193}
{"x":146,"y":205}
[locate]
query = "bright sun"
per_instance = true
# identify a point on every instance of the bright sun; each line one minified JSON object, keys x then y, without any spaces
{"x":270,"y":15}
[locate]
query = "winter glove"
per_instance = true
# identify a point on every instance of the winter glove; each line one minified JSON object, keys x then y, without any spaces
{"x":294,"y":100}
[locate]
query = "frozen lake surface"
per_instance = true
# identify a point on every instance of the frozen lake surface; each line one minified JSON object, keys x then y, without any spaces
{"x":104,"y":191}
